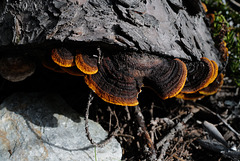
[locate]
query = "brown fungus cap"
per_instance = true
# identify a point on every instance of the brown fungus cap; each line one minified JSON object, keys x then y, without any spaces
{"x":214,"y":86}
{"x":16,"y":67}
{"x":209,"y":90}
{"x":200,"y":75}
{"x":204,"y":7}
{"x":211,"y":18}
{"x":120,"y":77}
{"x":113,"y":85}
{"x":63,"y":57}
{"x":168,"y":78}
{"x":86,"y":63}
{"x":215,"y":71}
{"x":224,"y":50}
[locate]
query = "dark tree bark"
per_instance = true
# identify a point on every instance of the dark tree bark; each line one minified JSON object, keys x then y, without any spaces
{"x":161,"y":27}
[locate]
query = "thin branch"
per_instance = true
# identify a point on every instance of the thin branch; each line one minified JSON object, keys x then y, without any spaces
{"x":235,"y":3}
{"x":141,"y":122}
{"x":219,"y":117}
{"x":106,"y":141}
{"x":128,"y":113}
{"x":164,"y":143}
{"x":228,"y":126}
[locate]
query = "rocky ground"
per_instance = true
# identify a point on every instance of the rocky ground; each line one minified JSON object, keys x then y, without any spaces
{"x":165,"y":130}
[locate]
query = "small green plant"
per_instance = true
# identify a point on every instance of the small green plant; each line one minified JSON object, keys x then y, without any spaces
{"x":95,"y":152}
{"x":229,"y":20}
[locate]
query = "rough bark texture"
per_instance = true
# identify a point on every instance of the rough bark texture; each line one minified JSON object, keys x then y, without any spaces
{"x":161,"y":27}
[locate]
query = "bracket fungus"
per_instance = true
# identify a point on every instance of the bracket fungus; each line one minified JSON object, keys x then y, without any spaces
{"x":118,"y":46}
{"x":62,"y":57}
{"x":86,"y":64}
{"x":120,"y":77}
{"x":200,"y":75}
{"x":16,"y":67}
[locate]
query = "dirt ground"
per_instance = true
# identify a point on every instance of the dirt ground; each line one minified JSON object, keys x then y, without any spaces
{"x":175,"y":127}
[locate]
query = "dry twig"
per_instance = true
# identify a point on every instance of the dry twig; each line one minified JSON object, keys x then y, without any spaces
{"x":219,"y":117}
{"x":90,"y":98}
{"x":141,"y":122}
{"x":165,"y":141}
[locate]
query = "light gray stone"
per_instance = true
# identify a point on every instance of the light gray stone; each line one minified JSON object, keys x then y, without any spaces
{"x":40,"y":126}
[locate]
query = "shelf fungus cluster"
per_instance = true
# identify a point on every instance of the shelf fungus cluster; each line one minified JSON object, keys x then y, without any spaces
{"x":203,"y":79}
{"x":118,"y":78}
{"x":123,"y":46}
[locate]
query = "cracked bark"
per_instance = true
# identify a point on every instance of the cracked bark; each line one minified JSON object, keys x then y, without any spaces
{"x":166,"y":27}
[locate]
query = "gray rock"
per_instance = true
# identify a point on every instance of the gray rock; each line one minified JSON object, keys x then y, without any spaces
{"x":40,"y":126}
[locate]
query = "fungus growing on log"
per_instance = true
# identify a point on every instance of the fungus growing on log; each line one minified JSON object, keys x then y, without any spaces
{"x":86,"y":64}
{"x":211,"y":18}
{"x":163,"y":45}
{"x":120,"y":77}
{"x":63,"y":57}
{"x":215,"y":71}
{"x":209,"y":90}
{"x":168,"y":78}
{"x":224,"y":50}
{"x":200,"y":75}
{"x":214,"y":86}
{"x":16,"y":68}
{"x":204,"y":7}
